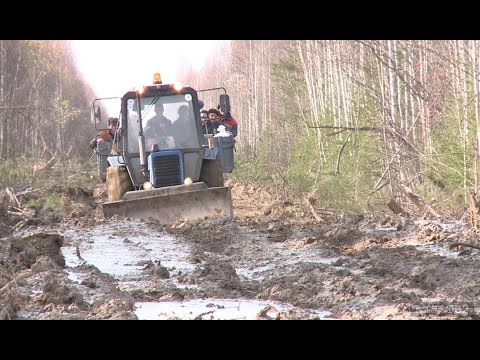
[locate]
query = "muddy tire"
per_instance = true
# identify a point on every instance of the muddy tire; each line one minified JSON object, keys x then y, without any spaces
{"x":118,"y":182}
{"x":211,"y":173}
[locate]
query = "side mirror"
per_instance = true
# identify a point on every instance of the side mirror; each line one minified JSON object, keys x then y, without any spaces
{"x":201,"y":104}
{"x":97,"y":114}
{"x":224,"y":103}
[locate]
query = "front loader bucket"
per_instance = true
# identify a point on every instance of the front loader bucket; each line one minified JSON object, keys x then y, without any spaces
{"x":174,"y":203}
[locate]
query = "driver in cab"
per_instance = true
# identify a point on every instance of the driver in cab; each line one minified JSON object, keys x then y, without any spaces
{"x":158,"y":130}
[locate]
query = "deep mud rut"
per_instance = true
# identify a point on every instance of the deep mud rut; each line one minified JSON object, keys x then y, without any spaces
{"x":271,"y":262}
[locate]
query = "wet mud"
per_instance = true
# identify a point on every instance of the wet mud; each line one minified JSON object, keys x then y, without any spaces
{"x":275,"y":258}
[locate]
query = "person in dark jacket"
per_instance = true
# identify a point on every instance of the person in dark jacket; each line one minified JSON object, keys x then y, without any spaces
{"x":159,"y":125}
{"x":214,"y":116}
{"x":207,"y":125}
{"x":104,"y":146}
{"x":184,"y":128}
{"x":105,"y":135}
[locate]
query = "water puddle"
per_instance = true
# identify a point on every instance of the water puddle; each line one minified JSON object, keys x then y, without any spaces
{"x":438,"y":249}
{"x":124,"y":249}
{"x":225,"y":309}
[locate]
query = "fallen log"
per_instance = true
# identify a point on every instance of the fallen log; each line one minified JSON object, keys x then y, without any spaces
{"x":417,"y":200}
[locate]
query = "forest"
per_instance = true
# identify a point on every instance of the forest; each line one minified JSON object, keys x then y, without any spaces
{"x":358,"y":124}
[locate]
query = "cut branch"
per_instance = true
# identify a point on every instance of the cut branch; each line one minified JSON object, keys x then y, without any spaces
{"x":303,"y":200}
{"x":39,"y":168}
{"x":337,"y":168}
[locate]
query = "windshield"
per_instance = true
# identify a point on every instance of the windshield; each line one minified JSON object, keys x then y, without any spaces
{"x":168,"y":123}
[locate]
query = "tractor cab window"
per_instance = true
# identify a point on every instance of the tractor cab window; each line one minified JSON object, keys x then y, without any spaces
{"x":168,"y":123}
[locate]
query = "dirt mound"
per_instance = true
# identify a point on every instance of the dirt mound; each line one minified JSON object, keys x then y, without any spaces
{"x":429,"y":232}
{"x":220,"y":273}
{"x":58,"y":291}
{"x":23,"y":252}
{"x":115,"y":309}
{"x":263,"y":203}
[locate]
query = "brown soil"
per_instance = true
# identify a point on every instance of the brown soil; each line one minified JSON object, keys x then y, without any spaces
{"x":356,"y":267}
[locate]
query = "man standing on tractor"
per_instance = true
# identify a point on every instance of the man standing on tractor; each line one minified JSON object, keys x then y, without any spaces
{"x":230,"y":123}
{"x":104,"y":145}
{"x":105,"y":136}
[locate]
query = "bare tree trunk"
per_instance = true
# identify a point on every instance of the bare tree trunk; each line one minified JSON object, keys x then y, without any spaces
{"x":474,"y":52}
{"x":3,"y":114}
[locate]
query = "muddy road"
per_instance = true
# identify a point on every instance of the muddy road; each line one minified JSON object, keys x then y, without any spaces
{"x":272,"y":261}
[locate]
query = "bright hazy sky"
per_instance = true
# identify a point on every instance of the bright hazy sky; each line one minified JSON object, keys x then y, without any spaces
{"x":113,"y":67}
